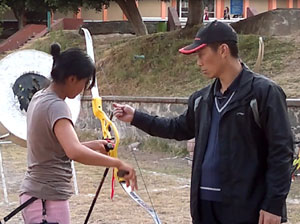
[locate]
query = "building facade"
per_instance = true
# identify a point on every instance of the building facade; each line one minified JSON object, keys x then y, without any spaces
{"x":156,"y":10}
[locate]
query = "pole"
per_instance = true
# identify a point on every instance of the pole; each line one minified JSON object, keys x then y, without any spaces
{"x":74,"y":178}
{"x":49,"y":20}
{"x":3,"y":176}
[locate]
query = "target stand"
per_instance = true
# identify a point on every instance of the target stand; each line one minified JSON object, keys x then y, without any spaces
{"x":3,"y":141}
{"x":17,"y":71}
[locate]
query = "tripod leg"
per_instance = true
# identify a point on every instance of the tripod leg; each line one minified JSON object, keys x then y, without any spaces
{"x":96,"y":196}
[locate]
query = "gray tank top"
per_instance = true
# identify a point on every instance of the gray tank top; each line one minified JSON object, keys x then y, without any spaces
{"x":49,"y":170}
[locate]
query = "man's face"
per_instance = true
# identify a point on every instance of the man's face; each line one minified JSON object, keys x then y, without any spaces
{"x":210,"y":62}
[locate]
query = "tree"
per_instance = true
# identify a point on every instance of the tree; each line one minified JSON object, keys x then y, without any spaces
{"x":128,"y":7}
{"x":195,"y":15}
{"x":133,"y":15}
{"x":22,"y":7}
{"x":18,"y":7}
{"x":63,"y":5}
{"x":3,"y":8}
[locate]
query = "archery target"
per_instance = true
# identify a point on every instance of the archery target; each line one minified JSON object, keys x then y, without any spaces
{"x":12,"y":118}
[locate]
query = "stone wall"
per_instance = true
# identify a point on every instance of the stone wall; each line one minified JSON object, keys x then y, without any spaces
{"x":279,"y":22}
{"x":109,"y":27}
{"x":164,"y":106}
{"x":294,"y":114}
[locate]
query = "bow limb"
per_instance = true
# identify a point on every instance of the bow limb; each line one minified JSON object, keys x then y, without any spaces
{"x":139,"y":201}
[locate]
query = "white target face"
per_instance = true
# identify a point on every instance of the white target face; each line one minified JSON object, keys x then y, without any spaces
{"x":12,"y":119}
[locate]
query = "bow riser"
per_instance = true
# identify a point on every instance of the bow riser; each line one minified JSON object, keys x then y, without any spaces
{"x":106,"y":125}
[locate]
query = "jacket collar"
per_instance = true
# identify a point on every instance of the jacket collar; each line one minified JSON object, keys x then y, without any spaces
{"x":244,"y":87}
{"x":232,"y":87}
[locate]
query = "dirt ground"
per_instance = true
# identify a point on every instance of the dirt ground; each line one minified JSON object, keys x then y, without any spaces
{"x":167,"y":179}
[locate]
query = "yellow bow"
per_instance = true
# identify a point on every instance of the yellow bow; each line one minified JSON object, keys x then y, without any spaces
{"x":107,"y":126}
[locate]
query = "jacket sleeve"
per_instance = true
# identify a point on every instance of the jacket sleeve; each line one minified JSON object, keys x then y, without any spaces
{"x":277,"y":129}
{"x":179,"y":128}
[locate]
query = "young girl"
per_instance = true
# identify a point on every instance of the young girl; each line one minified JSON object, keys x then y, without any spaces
{"x":52,"y":142}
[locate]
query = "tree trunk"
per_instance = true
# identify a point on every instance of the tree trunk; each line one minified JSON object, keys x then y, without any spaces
{"x":133,"y":15}
{"x":21,"y":22}
{"x":195,"y":15}
{"x":177,"y":7}
{"x":20,"y":15}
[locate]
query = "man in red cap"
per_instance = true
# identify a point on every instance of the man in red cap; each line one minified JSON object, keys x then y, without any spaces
{"x":244,"y":147}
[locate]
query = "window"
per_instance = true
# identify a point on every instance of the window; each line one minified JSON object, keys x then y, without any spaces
{"x":183,"y":8}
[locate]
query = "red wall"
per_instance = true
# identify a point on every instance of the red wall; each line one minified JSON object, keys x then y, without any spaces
{"x":21,"y":37}
{"x":35,"y":31}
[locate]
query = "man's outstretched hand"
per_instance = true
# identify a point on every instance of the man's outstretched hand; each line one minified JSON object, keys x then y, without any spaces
{"x":123,"y":112}
{"x":268,"y":218}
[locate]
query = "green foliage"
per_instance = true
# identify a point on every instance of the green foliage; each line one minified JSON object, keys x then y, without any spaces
{"x":3,"y":9}
{"x":66,"y":39}
{"x":70,"y":5}
{"x":158,"y":72}
{"x":275,"y":52}
{"x":162,"y":71}
{"x":63,"y":5}
{"x":164,"y":145}
{"x":95,"y":4}
{"x":248,"y":45}
{"x":20,"y":7}
{"x":165,"y":72}
{"x":151,"y":144}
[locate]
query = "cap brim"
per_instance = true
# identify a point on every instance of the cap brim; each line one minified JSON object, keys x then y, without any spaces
{"x":192,"y":48}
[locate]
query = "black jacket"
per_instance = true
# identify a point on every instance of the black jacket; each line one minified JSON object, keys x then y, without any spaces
{"x":255,"y":156}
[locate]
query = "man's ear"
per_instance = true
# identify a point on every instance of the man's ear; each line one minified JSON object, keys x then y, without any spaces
{"x":224,"y":50}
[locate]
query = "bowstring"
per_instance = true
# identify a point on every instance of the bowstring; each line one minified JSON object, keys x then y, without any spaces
{"x":109,"y":89}
{"x":132,"y":151}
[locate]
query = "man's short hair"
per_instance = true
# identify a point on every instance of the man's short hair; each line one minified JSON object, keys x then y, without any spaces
{"x":232,"y":45}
